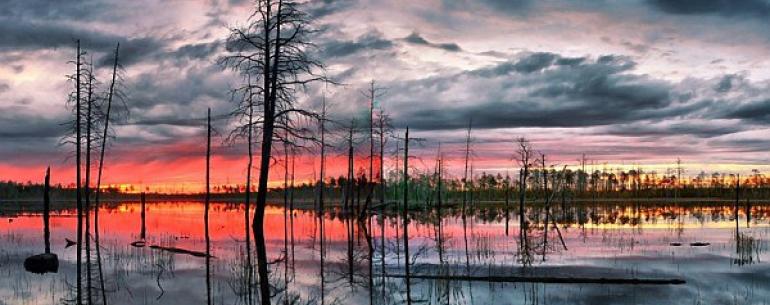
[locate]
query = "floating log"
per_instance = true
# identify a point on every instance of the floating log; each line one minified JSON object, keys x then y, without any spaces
{"x":699,"y":244}
{"x":179,"y":251}
{"x":675,"y":244}
{"x":139,"y":244}
{"x":544,"y":279}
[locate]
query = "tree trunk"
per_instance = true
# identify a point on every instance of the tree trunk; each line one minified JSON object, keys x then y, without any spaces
{"x":99,"y":175}
{"x":79,"y":199}
{"x":206,"y":209}
{"x":405,"y":217}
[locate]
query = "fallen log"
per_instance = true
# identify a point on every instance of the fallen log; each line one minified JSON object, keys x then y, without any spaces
{"x":139,"y":244}
{"x":180,"y":251}
{"x":544,"y":279}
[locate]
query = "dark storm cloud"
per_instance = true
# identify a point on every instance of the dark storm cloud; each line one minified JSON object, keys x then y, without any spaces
{"x":58,"y":10}
{"x":540,"y":90}
{"x":368,"y":41}
{"x":18,"y":122}
{"x":700,"y":129}
{"x":23,"y":35}
{"x":31,"y":35}
{"x":24,"y":132}
{"x":320,"y":9}
{"x":149,"y":50}
{"x":732,"y":8}
{"x":415,"y":38}
{"x":756,"y":111}
{"x":198,"y":50}
{"x":507,"y":6}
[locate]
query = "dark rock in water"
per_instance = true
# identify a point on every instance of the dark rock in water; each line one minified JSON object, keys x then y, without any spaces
{"x":675,"y":244}
{"x":70,"y":243}
{"x":699,"y":244}
{"x":42,"y":263}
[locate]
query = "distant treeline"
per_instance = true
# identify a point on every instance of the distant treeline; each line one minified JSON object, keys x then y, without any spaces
{"x":424,"y":187}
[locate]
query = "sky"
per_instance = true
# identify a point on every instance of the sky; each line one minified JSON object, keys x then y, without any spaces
{"x":627,"y":83}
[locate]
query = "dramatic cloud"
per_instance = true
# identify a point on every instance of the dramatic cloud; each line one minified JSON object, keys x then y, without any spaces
{"x":537,"y":90}
{"x":415,"y":38}
{"x":744,"y":8}
{"x":645,"y":80}
{"x":368,"y":41}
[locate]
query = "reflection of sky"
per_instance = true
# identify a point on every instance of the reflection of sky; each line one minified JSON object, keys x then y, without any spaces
{"x":608,"y":248}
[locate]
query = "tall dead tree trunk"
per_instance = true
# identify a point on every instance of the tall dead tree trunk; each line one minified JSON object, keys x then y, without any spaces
{"x":247,"y":209}
{"x":322,"y":180}
{"x":405,"y":217}
{"x":47,"y":211}
{"x":89,"y":137}
{"x":79,"y":199}
{"x":467,"y":158}
{"x":382,"y":158}
{"x":206,"y":208}
{"x":273,"y":47}
{"x":97,"y":198}
{"x":142,"y":216}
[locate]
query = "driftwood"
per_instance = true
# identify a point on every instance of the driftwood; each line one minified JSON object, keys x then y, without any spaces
{"x":139,"y":244}
{"x":179,"y":251}
{"x":544,"y":279}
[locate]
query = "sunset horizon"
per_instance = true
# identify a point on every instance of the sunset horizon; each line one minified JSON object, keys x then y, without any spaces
{"x":384,"y":152}
{"x":638,"y":93}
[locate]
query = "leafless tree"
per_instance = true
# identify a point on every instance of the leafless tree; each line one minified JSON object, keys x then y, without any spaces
{"x":467,"y":159}
{"x":524,"y":156}
{"x":75,"y":101}
{"x":114,"y":92}
{"x":385,"y":127}
{"x":372,"y":93}
{"x":206,"y":208}
{"x":273,"y":48}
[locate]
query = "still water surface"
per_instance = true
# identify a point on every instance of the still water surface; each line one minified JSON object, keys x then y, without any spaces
{"x":362,"y":261}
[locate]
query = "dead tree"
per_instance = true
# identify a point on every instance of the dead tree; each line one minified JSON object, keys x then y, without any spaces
{"x":405,"y":217}
{"x":322,"y":180}
{"x":371,"y":94}
{"x":384,"y":127}
{"x":273,"y":48}
{"x":113,"y":92}
{"x":247,"y":119}
{"x":47,"y":261}
{"x":467,"y":159}
{"x":90,"y":115}
{"x":206,"y":208}
{"x":524,"y":156}
{"x":75,"y":100}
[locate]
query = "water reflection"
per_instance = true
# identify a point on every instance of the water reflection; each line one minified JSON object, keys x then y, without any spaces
{"x":338,"y":258}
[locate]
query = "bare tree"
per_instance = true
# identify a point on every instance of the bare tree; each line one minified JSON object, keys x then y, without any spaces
{"x":322,"y":180}
{"x":524,"y":158}
{"x":405,"y":217}
{"x":384,"y":128}
{"x":467,"y":158}
{"x":272,"y":48}
{"x":116,"y":93}
{"x":206,"y":208}
{"x":75,"y":100}
{"x":372,"y":93}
